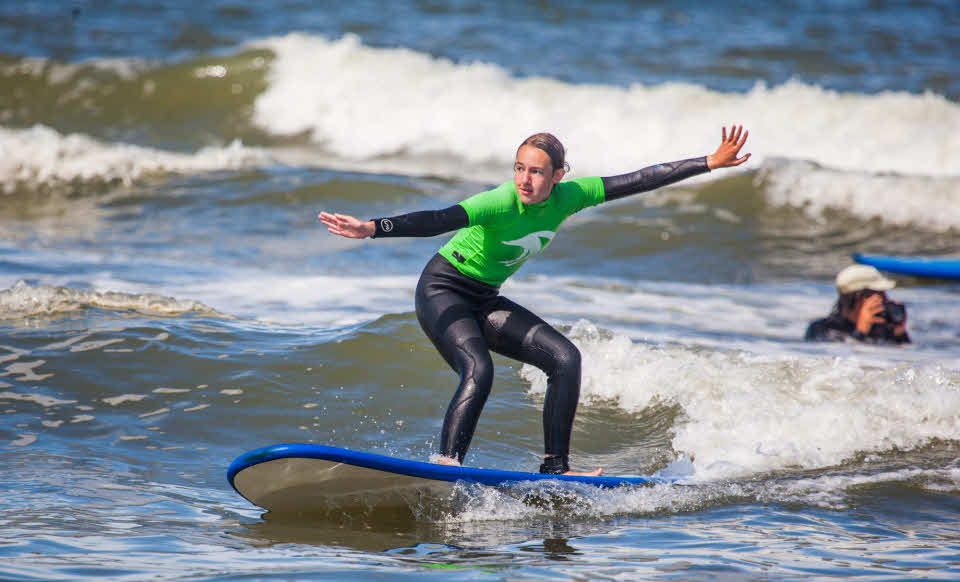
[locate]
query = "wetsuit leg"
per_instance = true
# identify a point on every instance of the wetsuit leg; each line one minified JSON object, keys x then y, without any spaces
{"x":516,"y":332}
{"x":446,"y":306}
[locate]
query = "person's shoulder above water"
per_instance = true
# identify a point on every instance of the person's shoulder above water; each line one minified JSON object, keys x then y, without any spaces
{"x":829,"y":329}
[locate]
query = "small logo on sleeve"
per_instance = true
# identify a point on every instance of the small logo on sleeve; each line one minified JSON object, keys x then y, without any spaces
{"x":386,"y":225}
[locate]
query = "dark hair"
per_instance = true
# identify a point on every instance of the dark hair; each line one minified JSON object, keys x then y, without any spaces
{"x":846,"y":301}
{"x":551,"y":146}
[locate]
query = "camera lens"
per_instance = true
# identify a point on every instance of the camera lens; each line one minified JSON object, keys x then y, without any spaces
{"x":894,"y":313}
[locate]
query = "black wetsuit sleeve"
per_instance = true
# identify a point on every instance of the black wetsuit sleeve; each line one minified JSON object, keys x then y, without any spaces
{"x":818,"y":331}
{"x":423,"y":223}
{"x":652,"y":177}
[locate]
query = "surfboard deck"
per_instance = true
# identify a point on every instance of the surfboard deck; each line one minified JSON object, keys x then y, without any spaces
{"x":298,"y":478}
{"x":932,"y":267}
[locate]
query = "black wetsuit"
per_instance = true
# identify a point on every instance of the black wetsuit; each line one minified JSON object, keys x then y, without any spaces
{"x":466,"y":317}
{"x":837,"y":328}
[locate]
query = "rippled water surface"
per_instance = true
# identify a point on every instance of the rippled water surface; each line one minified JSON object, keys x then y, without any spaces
{"x":168,"y":300}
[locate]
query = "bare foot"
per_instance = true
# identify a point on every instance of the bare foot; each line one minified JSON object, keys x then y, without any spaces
{"x":596,"y":473}
{"x":441,"y":460}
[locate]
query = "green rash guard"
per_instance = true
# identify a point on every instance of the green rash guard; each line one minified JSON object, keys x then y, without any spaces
{"x":503,"y":232}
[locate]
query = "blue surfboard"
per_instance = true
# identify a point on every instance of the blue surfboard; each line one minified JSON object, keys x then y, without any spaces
{"x":932,"y":267}
{"x":302,"y":478}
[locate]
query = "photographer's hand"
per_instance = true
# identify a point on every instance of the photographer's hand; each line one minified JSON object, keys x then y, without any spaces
{"x":901,"y":328}
{"x":869,"y":314}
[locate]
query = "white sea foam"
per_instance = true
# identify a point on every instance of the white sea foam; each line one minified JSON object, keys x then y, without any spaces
{"x":42,"y":158}
{"x":24,"y":440}
{"x":928,"y":202}
{"x":767,"y":319}
{"x":367,"y":106}
{"x":41,"y":399}
{"x":59,"y":73}
{"x":830,"y":491}
{"x":745,"y":413}
{"x":309,"y":299}
{"x":25,"y":300}
{"x":117,"y":400}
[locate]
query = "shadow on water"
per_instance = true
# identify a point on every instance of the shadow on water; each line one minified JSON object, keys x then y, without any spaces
{"x":440,"y":544}
{"x":365,"y":530}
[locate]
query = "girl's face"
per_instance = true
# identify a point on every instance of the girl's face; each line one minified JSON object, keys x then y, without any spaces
{"x":534,"y":175}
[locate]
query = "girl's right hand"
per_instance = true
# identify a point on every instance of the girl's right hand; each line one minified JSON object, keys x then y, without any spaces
{"x":348,"y":226}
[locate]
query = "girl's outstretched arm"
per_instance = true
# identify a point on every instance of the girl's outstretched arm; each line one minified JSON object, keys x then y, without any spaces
{"x":653,"y":177}
{"x":422,"y":223}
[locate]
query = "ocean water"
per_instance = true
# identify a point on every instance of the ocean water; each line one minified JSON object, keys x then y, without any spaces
{"x":168,"y":299}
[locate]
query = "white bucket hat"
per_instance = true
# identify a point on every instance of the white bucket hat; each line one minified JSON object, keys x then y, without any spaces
{"x":860,"y":277}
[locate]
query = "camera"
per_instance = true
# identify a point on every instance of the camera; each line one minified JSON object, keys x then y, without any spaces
{"x":895,"y":313}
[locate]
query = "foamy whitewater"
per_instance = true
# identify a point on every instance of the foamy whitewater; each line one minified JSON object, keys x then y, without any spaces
{"x":169,"y":300}
{"x":363,"y":103}
{"x":40,"y":158}
{"x":749,"y":413}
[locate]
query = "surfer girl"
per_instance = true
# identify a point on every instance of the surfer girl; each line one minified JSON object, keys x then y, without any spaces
{"x":458,"y":301}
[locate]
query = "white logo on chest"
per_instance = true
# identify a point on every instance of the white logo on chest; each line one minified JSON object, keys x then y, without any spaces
{"x":531,"y":245}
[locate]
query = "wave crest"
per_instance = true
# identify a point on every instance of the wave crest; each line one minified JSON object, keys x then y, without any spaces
{"x":41,"y":158}
{"x":26,"y":300}
{"x":928,"y":202}
{"x":365,"y":103}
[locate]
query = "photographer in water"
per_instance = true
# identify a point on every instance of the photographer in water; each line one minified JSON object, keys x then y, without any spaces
{"x":862,"y":312}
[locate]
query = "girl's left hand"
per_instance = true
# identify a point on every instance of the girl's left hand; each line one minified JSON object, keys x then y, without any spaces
{"x":726,"y":154}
